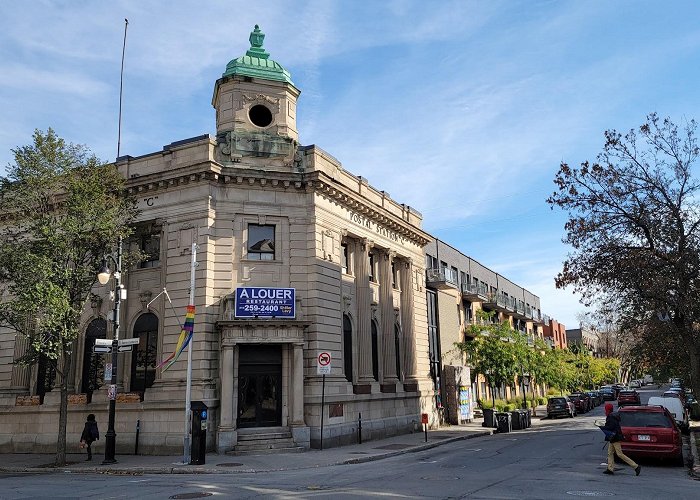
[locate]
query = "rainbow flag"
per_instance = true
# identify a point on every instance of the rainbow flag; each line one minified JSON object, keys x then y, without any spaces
{"x":183,"y":341}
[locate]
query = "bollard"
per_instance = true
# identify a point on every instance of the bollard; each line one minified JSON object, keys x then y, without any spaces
{"x":138,"y":429}
{"x":424,"y":421}
{"x":359,"y":428}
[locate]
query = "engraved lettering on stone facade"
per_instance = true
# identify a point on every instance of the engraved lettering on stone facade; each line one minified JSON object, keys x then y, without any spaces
{"x":377,"y":228}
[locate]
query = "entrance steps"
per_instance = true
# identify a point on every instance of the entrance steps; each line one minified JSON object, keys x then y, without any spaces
{"x":264,"y":441}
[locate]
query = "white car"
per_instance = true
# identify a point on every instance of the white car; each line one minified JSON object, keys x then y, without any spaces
{"x":675,"y":408}
{"x":635,"y":384}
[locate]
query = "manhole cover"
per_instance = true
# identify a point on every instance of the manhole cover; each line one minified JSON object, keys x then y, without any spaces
{"x":396,"y":446}
{"x":192,"y":495}
{"x":590,"y":493}
{"x":230,"y":464}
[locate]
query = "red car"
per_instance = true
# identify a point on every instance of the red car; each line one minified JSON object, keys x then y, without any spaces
{"x":651,"y":431}
{"x":628,"y":397}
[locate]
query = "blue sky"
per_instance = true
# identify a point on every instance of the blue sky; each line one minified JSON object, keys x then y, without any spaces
{"x":461,"y":109}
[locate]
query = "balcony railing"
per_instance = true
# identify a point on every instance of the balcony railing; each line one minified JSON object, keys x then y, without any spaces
{"x":440,"y":279}
{"x":474,"y":292}
{"x":529,"y":311}
{"x":545,"y":320}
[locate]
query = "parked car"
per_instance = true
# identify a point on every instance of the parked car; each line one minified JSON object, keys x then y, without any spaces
{"x":635,"y":384}
{"x":675,"y":408}
{"x":628,"y":397}
{"x":676,"y":392}
{"x":560,"y":406}
{"x":650,"y":431}
{"x":692,"y":405}
{"x":581,"y":402}
{"x":596,"y":397}
{"x":608,"y":393}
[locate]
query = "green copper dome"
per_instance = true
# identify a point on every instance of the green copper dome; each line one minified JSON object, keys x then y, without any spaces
{"x":257,"y":63}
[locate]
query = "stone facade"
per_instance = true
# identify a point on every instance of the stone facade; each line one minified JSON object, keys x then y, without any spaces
{"x":263,"y":211}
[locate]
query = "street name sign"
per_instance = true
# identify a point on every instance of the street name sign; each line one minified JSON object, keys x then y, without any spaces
{"x":123,"y":342}
{"x":103,"y":342}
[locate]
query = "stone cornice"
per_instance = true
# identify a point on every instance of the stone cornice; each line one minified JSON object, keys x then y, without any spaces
{"x":332,"y":190}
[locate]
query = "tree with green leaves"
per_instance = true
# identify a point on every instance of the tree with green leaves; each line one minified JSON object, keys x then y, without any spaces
{"x":492,"y":352}
{"x":61,"y":212}
{"x":634,"y":227}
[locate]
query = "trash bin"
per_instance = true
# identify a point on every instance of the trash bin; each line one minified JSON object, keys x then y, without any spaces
{"x":198,"y":447}
{"x":517,"y":420}
{"x":503,"y":422}
{"x":489,"y":420}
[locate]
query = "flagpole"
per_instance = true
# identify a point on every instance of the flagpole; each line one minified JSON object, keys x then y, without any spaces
{"x":188,"y":393}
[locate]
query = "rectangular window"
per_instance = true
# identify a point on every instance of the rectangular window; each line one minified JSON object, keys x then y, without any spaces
{"x":454,"y":274}
{"x":463,"y":278}
{"x":372,"y":274}
{"x":344,"y":257}
{"x":150,"y":247}
{"x":261,"y":242}
{"x":394,"y":275}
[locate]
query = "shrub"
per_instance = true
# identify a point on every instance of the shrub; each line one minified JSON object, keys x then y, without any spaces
{"x":542,"y":400}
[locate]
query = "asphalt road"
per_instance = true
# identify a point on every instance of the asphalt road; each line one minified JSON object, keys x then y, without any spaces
{"x":559,"y":459}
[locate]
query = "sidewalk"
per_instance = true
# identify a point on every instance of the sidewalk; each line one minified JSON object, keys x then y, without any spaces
{"x":230,"y":464}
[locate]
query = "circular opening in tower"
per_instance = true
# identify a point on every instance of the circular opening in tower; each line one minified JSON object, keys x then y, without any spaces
{"x":260,"y":115}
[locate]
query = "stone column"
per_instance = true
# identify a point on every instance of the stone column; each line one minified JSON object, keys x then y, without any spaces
{"x":227,"y":396}
{"x":226,"y":437}
{"x":386,"y":306}
{"x":364,"y":318}
{"x":409,"y":337}
{"x":297,"y":385}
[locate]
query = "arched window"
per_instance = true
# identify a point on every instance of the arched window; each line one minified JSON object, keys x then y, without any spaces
{"x":143,"y":360}
{"x":347,"y":347}
{"x":397,"y":349}
{"x":93,"y":364}
{"x":375,"y":351}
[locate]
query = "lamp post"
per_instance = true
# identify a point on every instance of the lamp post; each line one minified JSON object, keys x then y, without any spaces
{"x":119,"y":293}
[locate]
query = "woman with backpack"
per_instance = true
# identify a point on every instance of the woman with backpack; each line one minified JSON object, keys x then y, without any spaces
{"x":613,"y":434}
{"x":90,"y":434}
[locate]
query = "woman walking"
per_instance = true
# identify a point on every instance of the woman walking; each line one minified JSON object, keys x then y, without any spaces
{"x":90,"y":434}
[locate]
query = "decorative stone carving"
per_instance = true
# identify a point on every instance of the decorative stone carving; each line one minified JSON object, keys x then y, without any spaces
{"x":262,"y":99}
{"x":145,"y":298}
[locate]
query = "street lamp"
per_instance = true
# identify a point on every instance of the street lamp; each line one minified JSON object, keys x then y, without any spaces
{"x":119,"y":294}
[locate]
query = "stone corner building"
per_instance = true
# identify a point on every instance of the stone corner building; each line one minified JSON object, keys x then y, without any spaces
{"x":266,"y":212}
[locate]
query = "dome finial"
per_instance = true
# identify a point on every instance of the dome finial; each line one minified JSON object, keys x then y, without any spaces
{"x":256,"y":44}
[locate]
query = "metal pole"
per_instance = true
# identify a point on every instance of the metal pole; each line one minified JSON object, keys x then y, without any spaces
{"x":323,"y":404}
{"x":110,"y":437}
{"x":121,"y":82}
{"x":188,"y":392}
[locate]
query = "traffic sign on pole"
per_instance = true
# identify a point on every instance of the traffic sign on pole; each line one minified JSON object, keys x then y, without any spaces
{"x":125,"y":348}
{"x":128,"y":342}
{"x":100,"y":349}
{"x":103,"y":342}
{"x":323,"y":363}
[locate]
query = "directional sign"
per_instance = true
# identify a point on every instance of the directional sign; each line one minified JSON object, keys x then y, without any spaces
{"x":125,"y":348}
{"x":103,"y":342}
{"x":100,"y":349}
{"x":128,"y":342}
{"x":323,"y":366}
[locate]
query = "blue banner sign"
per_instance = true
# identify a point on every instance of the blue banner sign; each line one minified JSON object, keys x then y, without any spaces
{"x":262,"y":302}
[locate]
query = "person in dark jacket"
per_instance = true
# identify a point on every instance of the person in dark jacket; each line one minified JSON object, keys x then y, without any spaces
{"x":614,"y":436}
{"x":90,"y":434}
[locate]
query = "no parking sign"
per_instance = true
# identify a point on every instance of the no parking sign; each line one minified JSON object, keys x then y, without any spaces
{"x":323,"y":363}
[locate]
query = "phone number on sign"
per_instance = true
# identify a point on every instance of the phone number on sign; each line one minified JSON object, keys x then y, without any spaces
{"x":263,"y":308}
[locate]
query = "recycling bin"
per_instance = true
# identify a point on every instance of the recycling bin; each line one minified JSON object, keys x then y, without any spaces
{"x":198,"y":447}
{"x":489,"y":419}
{"x":503,"y":422}
{"x":517,"y":420}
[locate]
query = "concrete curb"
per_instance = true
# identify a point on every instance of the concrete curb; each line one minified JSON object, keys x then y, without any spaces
{"x":413,"y":449}
{"x":695,"y":458}
{"x":185,"y":469}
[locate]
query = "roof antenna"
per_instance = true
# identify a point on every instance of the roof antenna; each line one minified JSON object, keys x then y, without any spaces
{"x":121,"y":85}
